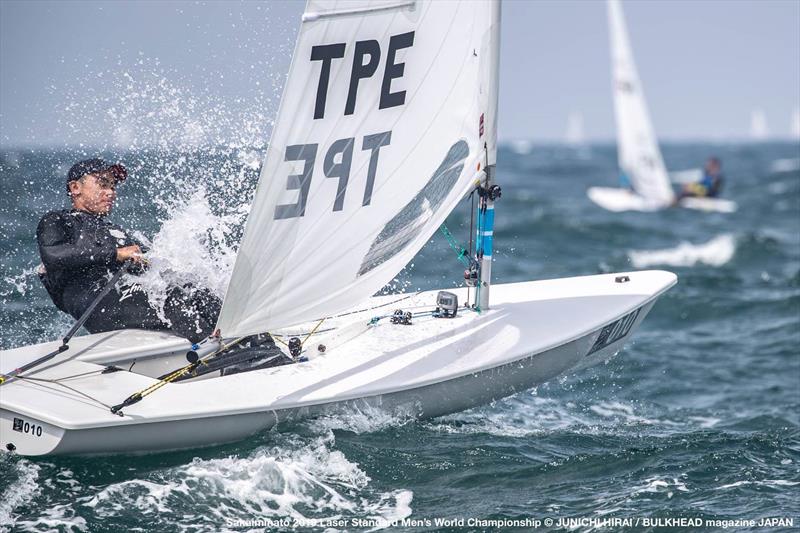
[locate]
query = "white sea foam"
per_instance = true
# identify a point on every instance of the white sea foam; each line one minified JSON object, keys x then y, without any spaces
{"x":529,"y":415}
{"x":779,"y":187}
{"x":56,"y":518}
{"x":361,"y":417}
{"x":785,"y":165}
{"x":21,"y":283}
{"x":658,"y":485}
{"x":21,"y":491}
{"x":191,"y":247}
{"x":705,"y":421}
{"x":761,"y":483}
{"x":620,"y":411}
{"x":715,"y":252}
{"x":520,"y":416}
{"x":297,"y":479}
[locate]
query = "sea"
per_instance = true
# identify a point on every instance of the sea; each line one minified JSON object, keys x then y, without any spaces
{"x":694,"y":425}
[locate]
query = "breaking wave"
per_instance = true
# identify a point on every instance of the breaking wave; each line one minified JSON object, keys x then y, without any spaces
{"x":715,"y":252}
{"x":296,"y":478}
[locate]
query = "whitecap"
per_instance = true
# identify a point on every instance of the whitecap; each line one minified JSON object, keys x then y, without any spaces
{"x":785,"y":165}
{"x":715,"y":252}
{"x":301,"y":479}
{"x":660,"y":485}
{"x":762,"y":483}
{"x":705,"y":421}
{"x":361,"y":417}
{"x":21,"y":491}
{"x":520,"y":416}
{"x":623,"y":412}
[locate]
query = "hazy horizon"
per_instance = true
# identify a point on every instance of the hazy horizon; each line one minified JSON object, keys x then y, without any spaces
{"x":185,"y":74}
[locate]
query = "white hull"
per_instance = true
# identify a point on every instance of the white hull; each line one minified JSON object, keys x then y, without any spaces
{"x":715,"y":205}
{"x":617,"y":199}
{"x":534,"y":332}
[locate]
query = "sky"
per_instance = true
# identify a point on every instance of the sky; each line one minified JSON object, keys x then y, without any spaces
{"x":133,"y":73}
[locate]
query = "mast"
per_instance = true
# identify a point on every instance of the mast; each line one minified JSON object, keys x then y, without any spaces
{"x":490,"y":190}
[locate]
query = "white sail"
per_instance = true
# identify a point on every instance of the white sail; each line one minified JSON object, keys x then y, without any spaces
{"x":575,"y":135}
{"x":384,"y":125}
{"x":639,"y":156}
{"x":758,"y":125}
{"x":796,"y":123}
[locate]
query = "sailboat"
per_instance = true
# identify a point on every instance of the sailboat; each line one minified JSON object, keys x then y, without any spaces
{"x":387,"y":122}
{"x":645,"y":184}
{"x":759,"y":132}
{"x":575,"y":135}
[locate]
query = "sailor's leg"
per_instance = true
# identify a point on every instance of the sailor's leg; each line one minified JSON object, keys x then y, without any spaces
{"x":128,"y":308}
{"x":192,"y":312}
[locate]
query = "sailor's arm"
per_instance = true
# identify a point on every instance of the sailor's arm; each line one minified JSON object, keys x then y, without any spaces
{"x":57,"y":252}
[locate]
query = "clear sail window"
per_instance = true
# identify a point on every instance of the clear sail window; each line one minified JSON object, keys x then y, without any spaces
{"x":406,"y":225}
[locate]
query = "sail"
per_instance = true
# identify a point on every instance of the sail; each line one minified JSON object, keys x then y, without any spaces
{"x":575,"y":135}
{"x":758,"y":125}
{"x":639,"y":156}
{"x":387,"y":119}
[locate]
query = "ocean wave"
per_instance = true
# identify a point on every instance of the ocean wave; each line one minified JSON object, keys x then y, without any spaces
{"x":528,"y":414}
{"x":20,"y":491}
{"x":299,"y":478}
{"x":715,"y":252}
{"x":761,"y":483}
{"x":785,"y":165}
{"x":660,"y":485}
{"x":521,"y":416}
{"x":360,"y":417}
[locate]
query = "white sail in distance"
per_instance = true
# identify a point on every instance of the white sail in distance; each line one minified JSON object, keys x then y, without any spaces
{"x":575,"y":135}
{"x":387,"y":119}
{"x":758,"y":125}
{"x":640,"y":159}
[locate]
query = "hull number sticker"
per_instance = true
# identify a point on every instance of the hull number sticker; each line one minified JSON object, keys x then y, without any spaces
{"x":614,"y":331}
{"x":26,"y":427}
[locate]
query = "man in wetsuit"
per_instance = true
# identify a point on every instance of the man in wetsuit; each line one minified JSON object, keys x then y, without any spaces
{"x":711,"y":183}
{"x":81,"y":249}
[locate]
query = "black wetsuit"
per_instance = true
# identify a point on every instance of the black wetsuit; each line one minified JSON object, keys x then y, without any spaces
{"x":79,"y":253}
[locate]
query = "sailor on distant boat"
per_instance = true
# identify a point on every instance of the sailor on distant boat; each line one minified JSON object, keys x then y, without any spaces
{"x":710,"y":185}
{"x":80,"y":248}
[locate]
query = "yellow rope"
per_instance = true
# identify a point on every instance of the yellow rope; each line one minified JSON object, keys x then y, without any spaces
{"x":312,"y":331}
{"x":280,"y":339}
{"x":181,"y":371}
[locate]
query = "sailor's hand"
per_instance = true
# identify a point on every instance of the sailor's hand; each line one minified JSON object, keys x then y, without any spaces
{"x":132,"y":253}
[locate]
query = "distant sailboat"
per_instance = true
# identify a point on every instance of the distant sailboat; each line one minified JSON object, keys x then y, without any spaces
{"x":758,"y":125}
{"x":645,"y":184}
{"x":575,"y":135}
{"x":796,"y":123}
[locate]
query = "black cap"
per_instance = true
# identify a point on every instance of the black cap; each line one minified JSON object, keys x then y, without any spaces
{"x":94,"y":166}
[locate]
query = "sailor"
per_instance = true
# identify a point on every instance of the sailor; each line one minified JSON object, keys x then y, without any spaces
{"x":711,"y":183}
{"x":80,"y":248}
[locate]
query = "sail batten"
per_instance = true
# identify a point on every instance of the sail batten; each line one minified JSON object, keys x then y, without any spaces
{"x":312,"y":16}
{"x":379,"y":134}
